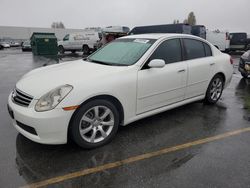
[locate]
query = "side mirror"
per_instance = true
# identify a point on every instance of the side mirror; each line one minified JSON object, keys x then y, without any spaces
{"x":157,"y":63}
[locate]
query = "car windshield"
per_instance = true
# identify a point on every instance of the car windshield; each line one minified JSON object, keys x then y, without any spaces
{"x":121,"y":52}
{"x":26,"y":43}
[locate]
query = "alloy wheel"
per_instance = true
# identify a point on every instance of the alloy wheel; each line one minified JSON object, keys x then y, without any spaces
{"x":96,"y":124}
{"x":216,"y":89}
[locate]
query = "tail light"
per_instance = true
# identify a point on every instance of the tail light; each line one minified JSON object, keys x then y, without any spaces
{"x":231,"y":61}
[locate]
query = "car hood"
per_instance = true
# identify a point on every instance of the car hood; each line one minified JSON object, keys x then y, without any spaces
{"x":40,"y":81}
{"x":5,"y":45}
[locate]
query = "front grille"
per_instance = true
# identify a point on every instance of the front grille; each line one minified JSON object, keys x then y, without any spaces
{"x":27,"y":128}
{"x":21,"y":98}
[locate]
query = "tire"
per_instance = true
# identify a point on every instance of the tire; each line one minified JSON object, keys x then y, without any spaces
{"x":214,"y":90}
{"x":98,"y":120}
{"x":61,"y":50}
{"x":244,"y":75}
{"x":85,"y":49}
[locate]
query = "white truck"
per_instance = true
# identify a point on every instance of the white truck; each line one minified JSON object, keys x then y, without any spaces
{"x":83,"y":41}
{"x":219,"y":39}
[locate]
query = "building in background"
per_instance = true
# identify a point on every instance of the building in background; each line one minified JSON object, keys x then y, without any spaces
{"x":12,"y":33}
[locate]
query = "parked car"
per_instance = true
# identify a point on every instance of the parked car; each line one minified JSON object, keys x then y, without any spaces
{"x":244,"y":64}
{"x":15,"y":44}
{"x":129,"y":79}
{"x":5,"y":44}
{"x":239,"y":41}
{"x":26,"y":46}
{"x":219,"y":39}
{"x":83,"y":41}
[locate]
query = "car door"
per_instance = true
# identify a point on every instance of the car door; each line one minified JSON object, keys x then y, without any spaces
{"x":77,"y":41}
{"x":66,"y":42}
{"x":200,"y":67}
{"x":158,"y":87}
{"x":72,"y":41}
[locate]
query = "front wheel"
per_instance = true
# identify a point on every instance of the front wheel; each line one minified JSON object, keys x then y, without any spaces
{"x":214,"y":90}
{"x":85,"y":50}
{"x":94,"y":124}
{"x":61,"y":50}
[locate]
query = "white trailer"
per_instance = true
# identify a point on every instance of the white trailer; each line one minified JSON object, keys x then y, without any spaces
{"x":219,"y":39}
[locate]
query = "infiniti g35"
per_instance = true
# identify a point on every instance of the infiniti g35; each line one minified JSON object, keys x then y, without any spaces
{"x":131,"y":78}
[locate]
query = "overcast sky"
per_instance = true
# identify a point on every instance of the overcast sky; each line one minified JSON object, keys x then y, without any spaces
{"x":233,"y":15}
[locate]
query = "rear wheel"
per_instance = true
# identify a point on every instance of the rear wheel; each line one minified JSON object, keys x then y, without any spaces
{"x":214,"y":90}
{"x":85,"y":49}
{"x":94,"y":124}
{"x":61,"y":50}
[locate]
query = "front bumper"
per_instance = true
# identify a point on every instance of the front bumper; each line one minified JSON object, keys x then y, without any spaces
{"x":51,"y":127}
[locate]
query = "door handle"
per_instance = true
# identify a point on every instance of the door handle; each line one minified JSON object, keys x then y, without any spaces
{"x":182,"y":70}
{"x":211,"y":64}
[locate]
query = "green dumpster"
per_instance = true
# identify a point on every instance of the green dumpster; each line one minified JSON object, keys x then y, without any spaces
{"x":44,"y":44}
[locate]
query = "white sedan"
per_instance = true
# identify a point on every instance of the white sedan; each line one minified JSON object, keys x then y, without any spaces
{"x":129,"y":79}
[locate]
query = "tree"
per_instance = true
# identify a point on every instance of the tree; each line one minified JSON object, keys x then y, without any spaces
{"x":191,"y":20}
{"x":176,"y":22}
{"x":57,"y":25}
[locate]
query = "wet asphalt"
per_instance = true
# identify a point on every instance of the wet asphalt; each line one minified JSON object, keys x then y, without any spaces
{"x":224,"y":163}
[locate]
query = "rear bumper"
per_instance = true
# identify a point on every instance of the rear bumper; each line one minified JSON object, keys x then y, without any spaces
{"x":50,"y":127}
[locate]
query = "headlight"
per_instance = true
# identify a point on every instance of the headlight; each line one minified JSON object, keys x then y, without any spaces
{"x":50,"y":100}
{"x":247,"y":67}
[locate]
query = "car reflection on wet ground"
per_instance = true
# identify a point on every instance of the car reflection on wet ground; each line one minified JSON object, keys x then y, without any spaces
{"x":224,"y":163}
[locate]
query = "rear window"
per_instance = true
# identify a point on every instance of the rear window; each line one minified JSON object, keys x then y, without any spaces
{"x":194,"y":49}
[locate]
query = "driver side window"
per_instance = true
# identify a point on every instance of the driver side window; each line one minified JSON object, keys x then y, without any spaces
{"x":66,"y":37}
{"x":169,"y":51}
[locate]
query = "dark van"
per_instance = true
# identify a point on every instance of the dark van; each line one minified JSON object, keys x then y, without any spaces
{"x":168,"y":28}
{"x":239,"y":41}
{"x":199,"y":31}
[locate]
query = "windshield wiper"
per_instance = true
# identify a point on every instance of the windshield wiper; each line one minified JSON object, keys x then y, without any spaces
{"x":99,"y":62}
{"x":104,"y":63}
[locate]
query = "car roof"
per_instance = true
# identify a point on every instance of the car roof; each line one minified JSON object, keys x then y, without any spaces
{"x":158,"y":35}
